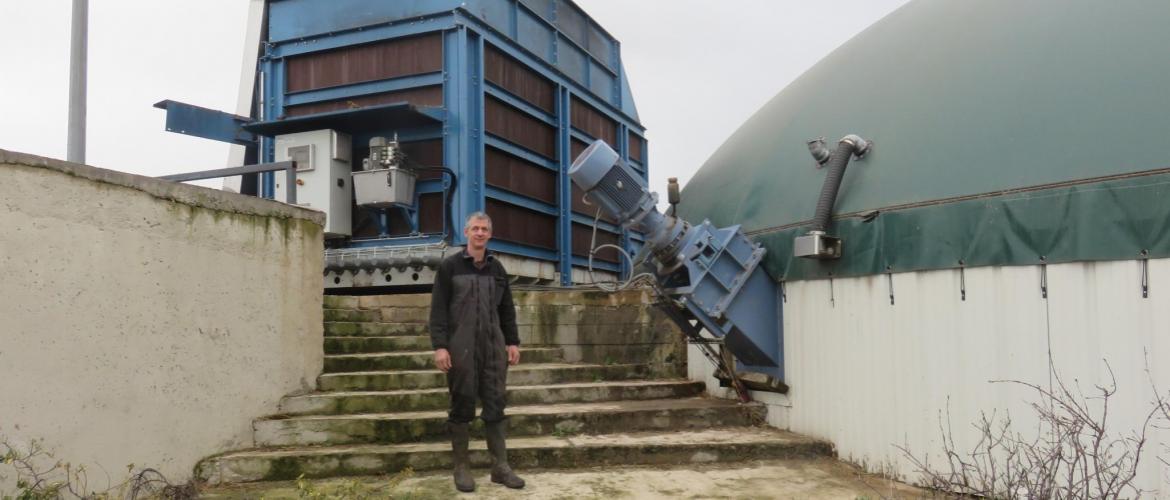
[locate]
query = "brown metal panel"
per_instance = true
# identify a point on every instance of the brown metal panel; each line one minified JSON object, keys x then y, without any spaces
{"x":427,"y":153}
{"x":516,"y":78}
{"x":579,"y":204}
{"x":515,"y":126}
{"x":421,"y":96}
{"x":581,"y":237}
{"x":636,"y":148}
{"x":430,"y":212}
{"x":363,"y":63}
{"x":576,"y":147}
{"x":505,"y":171}
{"x":590,"y":121}
{"x":521,"y":225}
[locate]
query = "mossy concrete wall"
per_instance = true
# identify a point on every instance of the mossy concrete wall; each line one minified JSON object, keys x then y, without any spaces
{"x":589,"y":326}
{"x":146,"y":321}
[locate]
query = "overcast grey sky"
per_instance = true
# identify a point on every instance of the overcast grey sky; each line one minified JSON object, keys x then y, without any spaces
{"x":698,"y":69}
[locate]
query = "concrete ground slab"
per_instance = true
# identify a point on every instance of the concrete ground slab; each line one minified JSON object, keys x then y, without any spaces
{"x":816,"y":478}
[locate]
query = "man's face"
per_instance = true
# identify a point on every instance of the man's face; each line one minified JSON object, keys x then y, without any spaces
{"x":478,"y":232}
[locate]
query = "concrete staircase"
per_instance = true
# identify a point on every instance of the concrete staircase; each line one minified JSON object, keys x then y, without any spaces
{"x":600,"y":383}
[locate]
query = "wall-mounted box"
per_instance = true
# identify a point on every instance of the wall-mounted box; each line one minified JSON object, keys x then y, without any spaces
{"x":323,"y":175}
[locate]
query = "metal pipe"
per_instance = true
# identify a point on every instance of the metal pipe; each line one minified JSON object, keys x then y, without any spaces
{"x":78,"y":51}
{"x":848,"y":147}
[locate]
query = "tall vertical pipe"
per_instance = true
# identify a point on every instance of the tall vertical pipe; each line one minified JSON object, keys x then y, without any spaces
{"x":78,"y":49}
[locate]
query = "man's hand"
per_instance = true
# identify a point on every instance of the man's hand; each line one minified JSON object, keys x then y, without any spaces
{"x":513,"y":355}
{"x":443,"y":360}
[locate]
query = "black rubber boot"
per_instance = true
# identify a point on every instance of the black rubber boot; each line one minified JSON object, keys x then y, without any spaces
{"x":460,"y":456}
{"x":501,"y":472}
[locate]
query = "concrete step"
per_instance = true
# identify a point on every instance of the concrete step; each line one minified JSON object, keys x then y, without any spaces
{"x":367,"y":329}
{"x":726,"y":444}
{"x":351,"y":315}
{"x":385,"y":314}
{"x":522,"y":374}
{"x":344,"y":403}
{"x":418,"y":360}
{"x":356,"y":345}
{"x":525,"y":420}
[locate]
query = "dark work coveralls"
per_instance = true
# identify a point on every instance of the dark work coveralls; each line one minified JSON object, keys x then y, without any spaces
{"x":473,"y":317}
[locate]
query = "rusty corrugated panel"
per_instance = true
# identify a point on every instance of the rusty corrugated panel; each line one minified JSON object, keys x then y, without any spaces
{"x":581,"y":236}
{"x":516,"y":78}
{"x":422,"y":96}
{"x":363,"y":63}
{"x":590,"y":121}
{"x":520,"y":225}
{"x":505,"y":171}
{"x":517,"y":127}
{"x":636,"y":148}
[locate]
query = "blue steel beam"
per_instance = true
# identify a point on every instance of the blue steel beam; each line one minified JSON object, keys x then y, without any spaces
{"x":623,"y":139}
{"x":582,"y":136}
{"x":564,"y":185}
{"x":522,"y":250}
{"x":514,"y":150}
{"x":364,"y":88}
{"x":520,"y":200}
{"x":197,"y":121}
{"x":519,"y":104}
{"x":463,"y":136}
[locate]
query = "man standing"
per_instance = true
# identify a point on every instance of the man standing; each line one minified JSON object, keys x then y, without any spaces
{"x":473,"y":332}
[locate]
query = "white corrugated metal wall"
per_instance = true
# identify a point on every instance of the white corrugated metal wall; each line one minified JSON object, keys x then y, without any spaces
{"x":867,"y":375}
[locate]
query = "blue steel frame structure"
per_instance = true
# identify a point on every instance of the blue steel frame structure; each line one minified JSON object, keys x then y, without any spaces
{"x":503,"y":24}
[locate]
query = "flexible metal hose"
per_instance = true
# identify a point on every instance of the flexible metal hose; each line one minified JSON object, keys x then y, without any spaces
{"x":846,"y":149}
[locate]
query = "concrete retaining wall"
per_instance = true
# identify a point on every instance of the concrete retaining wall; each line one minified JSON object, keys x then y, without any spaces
{"x":147,"y":322}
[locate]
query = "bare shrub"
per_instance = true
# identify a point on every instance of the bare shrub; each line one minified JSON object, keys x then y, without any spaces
{"x":38,"y":475}
{"x":1075,"y":454}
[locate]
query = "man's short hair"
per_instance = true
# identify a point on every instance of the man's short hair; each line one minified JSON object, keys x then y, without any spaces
{"x":477,"y":216}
